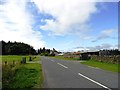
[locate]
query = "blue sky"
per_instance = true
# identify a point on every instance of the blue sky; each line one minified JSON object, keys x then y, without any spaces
{"x":61,"y":25}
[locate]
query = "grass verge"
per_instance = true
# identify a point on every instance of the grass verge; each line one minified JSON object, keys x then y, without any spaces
{"x":102,"y":65}
{"x":21,"y":75}
{"x":10,"y":58}
{"x":17,"y":58}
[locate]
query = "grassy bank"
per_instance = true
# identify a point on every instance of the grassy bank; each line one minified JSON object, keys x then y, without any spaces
{"x":21,"y":75}
{"x":102,"y":65}
{"x":63,"y":58}
{"x":17,"y":58}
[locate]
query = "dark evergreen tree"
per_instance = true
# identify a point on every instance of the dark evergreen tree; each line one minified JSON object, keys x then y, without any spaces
{"x":40,"y":50}
{"x":16,"y":48}
{"x":3,"y":47}
{"x":44,"y":50}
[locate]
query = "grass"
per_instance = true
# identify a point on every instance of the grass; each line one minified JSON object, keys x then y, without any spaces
{"x":94,"y":63}
{"x":17,"y":58}
{"x":102,"y":65}
{"x":10,"y":58}
{"x":36,"y":59}
{"x":21,"y":75}
{"x":63,"y":58}
{"x":27,"y":76}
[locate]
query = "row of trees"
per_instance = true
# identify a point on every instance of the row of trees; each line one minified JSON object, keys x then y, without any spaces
{"x":16,"y":48}
{"x":43,"y":51}
{"x":47,"y":52}
{"x":109,"y":52}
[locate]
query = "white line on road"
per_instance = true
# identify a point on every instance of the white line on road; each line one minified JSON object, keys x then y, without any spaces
{"x":52,"y":60}
{"x":94,"y":67}
{"x":62,"y":65}
{"x":94,"y":81}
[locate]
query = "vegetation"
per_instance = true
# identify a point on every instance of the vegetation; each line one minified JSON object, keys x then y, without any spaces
{"x":17,"y":58}
{"x":94,"y":63}
{"x":43,"y":51}
{"x":47,"y":52}
{"x":17,"y":48}
{"x":102,"y":65}
{"x":36,"y":58}
{"x":21,"y":75}
{"x":10,"y":58}
{"x":111,"y":52}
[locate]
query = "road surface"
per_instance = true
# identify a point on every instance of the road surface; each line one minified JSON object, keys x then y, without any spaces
{"x":71,"y":74}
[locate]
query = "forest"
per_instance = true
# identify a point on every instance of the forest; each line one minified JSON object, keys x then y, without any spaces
{"x":17,"y":48}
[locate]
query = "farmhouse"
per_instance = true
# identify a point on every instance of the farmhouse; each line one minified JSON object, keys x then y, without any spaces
{"x":72,"y":55}
{"x":81,"y":55}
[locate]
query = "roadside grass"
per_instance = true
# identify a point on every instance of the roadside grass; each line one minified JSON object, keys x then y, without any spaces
{"x":27,"y":75}
{"x":10,"y":58}
{"x":94,"y":63}
{"x":37,"y":58}
{"x":63,"y":58}
{"x":17,"y":58}
{"x":102,"y":65}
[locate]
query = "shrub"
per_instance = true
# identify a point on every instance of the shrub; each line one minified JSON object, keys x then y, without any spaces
{"x":8,"y":72}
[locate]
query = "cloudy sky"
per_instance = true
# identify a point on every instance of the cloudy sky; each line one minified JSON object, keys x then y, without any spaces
{"x":66,"y":25}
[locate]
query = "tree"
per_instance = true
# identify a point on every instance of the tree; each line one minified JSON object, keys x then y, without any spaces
{"x":3,"y":47}
{"x":40,"y":50}
{"x":44,"y":50}
{"x":17,"y":48}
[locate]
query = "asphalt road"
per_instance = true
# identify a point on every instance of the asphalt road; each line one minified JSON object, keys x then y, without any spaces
{"x":72,"y":74}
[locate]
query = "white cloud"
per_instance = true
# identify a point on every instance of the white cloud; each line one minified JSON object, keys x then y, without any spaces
{"x":16,"y":24}
{"x":96,"y":47}
{"x":105,"y":34}
{"x":70,"y":16}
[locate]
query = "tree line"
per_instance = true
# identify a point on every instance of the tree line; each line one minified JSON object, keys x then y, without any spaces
{"x":20,"y":48}
{"x":17,"y":48}
{"x":47,"y":52}
{"x":109,"y":52}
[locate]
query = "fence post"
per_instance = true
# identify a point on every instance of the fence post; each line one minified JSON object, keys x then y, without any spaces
{"x":30,"y":58}
{"x":13,"y":62}
{"x":23,"y":60}
{"x":5,"y":62}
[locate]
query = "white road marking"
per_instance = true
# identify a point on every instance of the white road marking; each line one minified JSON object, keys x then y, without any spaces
{"x":94,"y":81}
{"x":94,"y":67}
{"x":52,"y":60}
{"x":62,"y":65}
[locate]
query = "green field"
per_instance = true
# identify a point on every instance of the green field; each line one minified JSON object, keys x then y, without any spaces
{"x":27,"y":75}
{"x":17,"y":58}
{"x":102,"y":65}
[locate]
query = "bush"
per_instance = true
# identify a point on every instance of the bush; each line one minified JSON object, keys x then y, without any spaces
{"x":46,"y":54}
{"x":8,"y":72}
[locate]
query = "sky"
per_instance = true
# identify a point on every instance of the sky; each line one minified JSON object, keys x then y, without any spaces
{"x":66,"y":25}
